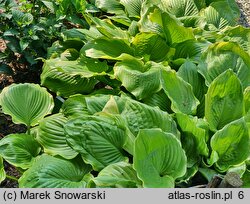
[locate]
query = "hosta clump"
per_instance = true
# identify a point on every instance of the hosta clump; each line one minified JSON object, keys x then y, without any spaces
{"x":152,"y":97}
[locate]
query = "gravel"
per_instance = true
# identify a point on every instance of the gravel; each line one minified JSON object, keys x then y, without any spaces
{"x":245,"y":12}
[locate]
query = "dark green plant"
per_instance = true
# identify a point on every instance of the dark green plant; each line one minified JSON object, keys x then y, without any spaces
{"x":156,"y":95}
{"x":28,"y":28}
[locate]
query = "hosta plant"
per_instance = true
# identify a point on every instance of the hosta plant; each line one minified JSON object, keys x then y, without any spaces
{"x":153,"y":94}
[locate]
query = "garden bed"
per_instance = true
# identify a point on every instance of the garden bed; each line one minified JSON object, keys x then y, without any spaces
{"x":178,"y":115}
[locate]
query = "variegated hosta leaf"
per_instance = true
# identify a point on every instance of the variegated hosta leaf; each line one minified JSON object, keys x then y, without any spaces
{"x":222,"y":13}
{"x":230,"y":145}
{"x":224,"y":100}
{"x":98,"y":48}
{"x":141,"y":116}
{"x":240,"y":35}
{"x":142,"y":80}
{"x":179,"y":92}
{"x":118,"y":175}
{"x":159,"y":158}
{"x":172,"y":28}
{"x":19,"y":149}
{"x":183,"y":7}
{"x":79,"y":105}
{"x":150,"y":46}
{"x":132,"y":7}
{"x":26,"y":103}
{"x":70,"y":77}
{"x":2,"y":171}
{"x":189,"y":72}
{"x":99,"y":139}
{"x":223,"y":56}
{"x":52,"y":137}
{"x":110,"y":6}
{"x":247,"y":99}
{"x":53,"y":172}
{"x":194,"y":126}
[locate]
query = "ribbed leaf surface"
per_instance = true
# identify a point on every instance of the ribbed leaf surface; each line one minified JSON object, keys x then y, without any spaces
{"x":26,"y":103}
{"x":159,"y":158}
{"x":52,"y":137}
{"x":52,"y":172}
{"x":19,"y":149}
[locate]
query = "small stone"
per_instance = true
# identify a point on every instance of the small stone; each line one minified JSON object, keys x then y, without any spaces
{"x":244,"y":6}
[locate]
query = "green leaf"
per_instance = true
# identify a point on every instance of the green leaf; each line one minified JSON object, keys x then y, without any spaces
{"x":188,"y":142}
{"x":223,"y":56}
{"x":132,"y":7}
{"x":183,"y":7}
{"x":231,"y":144}
{"x":179,"y":92}
{"x":150,"y":46}
{"x":110,"y":6}
{"x":118,"y":175}
{"x":224,"y":100}
{"x":79,"y":5}
{"x":6,"y":69}
{"x":159,"y":99}
{"x":238,"y":169}
{"x":24,"y":43}
{"x":138,"y":78}
{"x":191,"y":49}
{"x":52,"y":172}
{"x":173,"y":30}
{"x":189,"y":72}
{"x":79,"y":105}
{"x":159,"y":158}
{"x":208,"y":173}
{"x":98,"y":48}
{"x":141,"y":116}
{"x":26,"y":103}
{"x":193,"y":125}
{"x":222,"y":14}
{"x":50,"y":5}
{"x":190,"y":173}
{"x":70,"y":77}
{"x":240,"y":35}
{"x":246,"y":179}
{"x":69,"y":54}
{"x":52,"y":137}
{"x":12,"y":43}
{"x":247,"y":99}
{"x":19,"y":149}
{"x":2,"y":171}
{"x":22,"y":18}
{"x":99,"y":139}
{"x":109,"y":30}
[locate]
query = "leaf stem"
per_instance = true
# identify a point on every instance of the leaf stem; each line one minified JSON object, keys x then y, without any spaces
{"x":11,"y":177}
